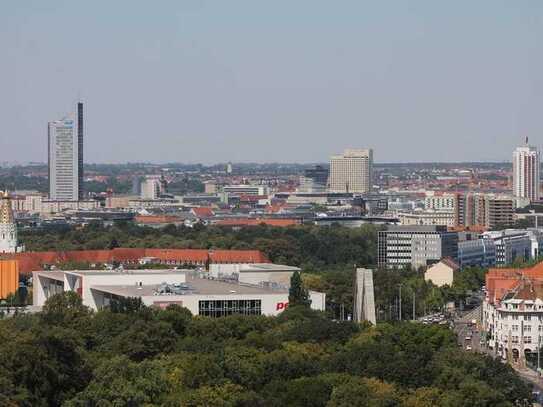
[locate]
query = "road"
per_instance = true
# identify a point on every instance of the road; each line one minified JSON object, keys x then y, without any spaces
{"x":464,"y":328}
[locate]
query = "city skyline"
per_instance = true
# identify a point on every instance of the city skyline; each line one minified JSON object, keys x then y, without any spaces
{"x":202,"y":82}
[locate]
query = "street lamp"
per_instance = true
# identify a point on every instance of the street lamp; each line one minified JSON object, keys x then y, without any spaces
{"x":400,"y":303}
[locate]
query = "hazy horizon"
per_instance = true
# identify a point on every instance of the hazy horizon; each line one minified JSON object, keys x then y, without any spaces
{"x":286,"y":82}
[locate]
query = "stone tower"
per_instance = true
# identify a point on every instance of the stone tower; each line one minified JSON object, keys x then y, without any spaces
{"x":8,"y":227}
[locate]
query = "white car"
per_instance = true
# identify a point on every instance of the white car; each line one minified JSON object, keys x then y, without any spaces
{"x":468,"y":347}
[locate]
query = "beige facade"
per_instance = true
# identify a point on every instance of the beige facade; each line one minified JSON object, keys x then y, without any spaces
{"x":441,"y":273}
{"x":444,"y":218}
{"x":352,"y":171}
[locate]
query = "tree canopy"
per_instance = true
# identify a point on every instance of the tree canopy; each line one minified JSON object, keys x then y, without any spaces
{"x":132,"y":355}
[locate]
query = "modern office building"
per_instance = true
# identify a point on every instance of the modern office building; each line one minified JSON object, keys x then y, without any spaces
{"x":476,"y":252}
{"x":511,"y":245}
{"x":440,"y":201}
{"x":245,"y":189}
{"x":526,"y":169}
{"x":352,"y":171}
{"x":314,"y":180}
{"x":150,"y":188}
{"x":415,"y":246}
{"x":65,"y":157}
{"x":80,"y":132}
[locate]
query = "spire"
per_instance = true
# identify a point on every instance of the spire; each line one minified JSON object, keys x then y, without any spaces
{"x":6,"y":214}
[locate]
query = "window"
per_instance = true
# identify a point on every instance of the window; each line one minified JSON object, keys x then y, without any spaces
{"x":527,"y":317}
{"x":514,"y":327}
{"x":514,"y":339}
{"x":527,"y":339}
{"x":515,"y":317}
{"x":527,"y":328}
{"x":220,"y":308}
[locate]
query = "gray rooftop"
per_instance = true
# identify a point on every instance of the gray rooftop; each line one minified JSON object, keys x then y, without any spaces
{"x":201,"y":286}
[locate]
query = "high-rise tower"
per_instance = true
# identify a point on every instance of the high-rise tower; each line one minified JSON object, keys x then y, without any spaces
{"x":352,"y":171}
{"x":526,"y":169}
{"x":65,"y":157}
{"x":80,"y":129}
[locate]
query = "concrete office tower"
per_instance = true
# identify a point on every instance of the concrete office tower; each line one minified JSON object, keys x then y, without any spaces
{"x":150,"y":188}
{"x":8,"y":227}
{"x":63,"y":160}
{"x":81,"y":192}
{"x":526,"y":172}
{"x":364,"y":303}
{"x":229,"y":168}
{"x":352,"y":171}
{"x":415,"y":246}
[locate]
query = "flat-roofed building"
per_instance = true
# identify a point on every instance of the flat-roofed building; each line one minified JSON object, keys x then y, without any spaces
{"x":476,"y":252}
{"x":245,"y":189}
{"x":415,"y":246}
{"x":352,"y":171}
{"x":427,"y":217}
{"x":199,"y":293}
{"x":488,"y":210}
{"x":526,"y":172}
{"x":63,"y":160}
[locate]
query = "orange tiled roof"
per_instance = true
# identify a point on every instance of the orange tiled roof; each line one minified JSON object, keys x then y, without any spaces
{"x":32,"y":261}
{"x":499,"y":281}
{"x":237,"y":256}
{"x":203,"y":212}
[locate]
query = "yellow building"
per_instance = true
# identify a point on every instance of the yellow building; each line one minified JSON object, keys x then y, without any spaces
{"x":9,"y":277}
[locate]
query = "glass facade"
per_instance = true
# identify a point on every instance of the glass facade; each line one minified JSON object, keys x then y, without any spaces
{"x":221,"y":308}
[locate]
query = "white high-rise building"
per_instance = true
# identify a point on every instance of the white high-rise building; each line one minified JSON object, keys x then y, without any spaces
{"x":150,"y":188}
{"x":526,"y":168}
{"x":63,"y":160}
{"x":352,"y":171}
{"x":8,"y":227}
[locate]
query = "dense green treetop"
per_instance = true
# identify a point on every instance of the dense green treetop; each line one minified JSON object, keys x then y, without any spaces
{"x":132,"y":355}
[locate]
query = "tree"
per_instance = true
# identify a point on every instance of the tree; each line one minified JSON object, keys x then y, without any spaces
{"x":298,"y":294}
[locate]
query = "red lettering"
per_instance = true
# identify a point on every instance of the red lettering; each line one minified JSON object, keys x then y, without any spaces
{"x":281,"y":305}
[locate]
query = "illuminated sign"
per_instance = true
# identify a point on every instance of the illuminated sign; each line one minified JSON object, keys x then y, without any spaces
{"x":281,"y":306}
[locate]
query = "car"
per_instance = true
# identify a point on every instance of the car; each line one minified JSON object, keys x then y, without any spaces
{"x":468,"y":347}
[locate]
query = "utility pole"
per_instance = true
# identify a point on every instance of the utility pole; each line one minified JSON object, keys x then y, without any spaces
{"x":538,"y":351}
{"x":414,"y":312}
{"x":400,"y":304}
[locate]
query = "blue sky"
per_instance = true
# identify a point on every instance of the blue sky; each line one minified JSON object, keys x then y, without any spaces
{"x":281,"y":81}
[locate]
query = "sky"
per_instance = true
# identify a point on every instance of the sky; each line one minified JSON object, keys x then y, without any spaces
{"x":273,"y":81}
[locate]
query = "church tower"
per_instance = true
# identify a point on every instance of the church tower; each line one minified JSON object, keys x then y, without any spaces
{"x":8,"y":227}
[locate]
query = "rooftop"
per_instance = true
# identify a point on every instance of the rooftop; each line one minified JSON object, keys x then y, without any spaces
{"x":196,"y":285}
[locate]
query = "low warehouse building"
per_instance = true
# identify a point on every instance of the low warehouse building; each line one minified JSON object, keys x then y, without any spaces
{"x":198,"y":292}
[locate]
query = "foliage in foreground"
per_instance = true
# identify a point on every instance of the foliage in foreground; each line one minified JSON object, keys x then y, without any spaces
{"x":134,"y":355}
